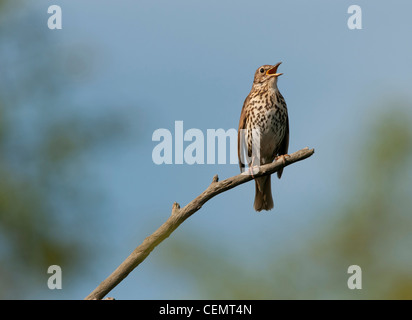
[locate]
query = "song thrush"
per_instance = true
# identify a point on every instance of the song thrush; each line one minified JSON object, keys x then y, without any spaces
{"x":264,"y":111}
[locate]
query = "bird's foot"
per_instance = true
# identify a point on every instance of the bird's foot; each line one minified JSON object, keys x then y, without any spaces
{"x":283,"y":157}
{"x":252,"y":170}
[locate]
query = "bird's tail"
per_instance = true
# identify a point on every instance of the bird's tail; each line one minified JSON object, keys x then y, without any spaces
{"x":263,"y":195}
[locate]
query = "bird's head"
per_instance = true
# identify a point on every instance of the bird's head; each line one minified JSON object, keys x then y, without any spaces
{"x":267,"y":74}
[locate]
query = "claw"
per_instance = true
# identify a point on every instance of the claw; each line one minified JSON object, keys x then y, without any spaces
{"x":251,"y":171}
{"x":283,"y":157}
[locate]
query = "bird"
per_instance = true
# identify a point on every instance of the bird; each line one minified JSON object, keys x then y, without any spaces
{"x":263,"y":133}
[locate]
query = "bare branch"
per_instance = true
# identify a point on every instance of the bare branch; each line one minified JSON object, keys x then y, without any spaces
{"x":181,"y":214}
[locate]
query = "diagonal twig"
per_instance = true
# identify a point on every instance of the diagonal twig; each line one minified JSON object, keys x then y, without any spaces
{"x":181,"y":214}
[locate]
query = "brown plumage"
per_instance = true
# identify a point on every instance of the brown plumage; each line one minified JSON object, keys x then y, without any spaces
{"x":264,"y":127}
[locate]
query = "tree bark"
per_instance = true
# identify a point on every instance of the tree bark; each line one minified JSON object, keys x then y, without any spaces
{"x":181,"y":214}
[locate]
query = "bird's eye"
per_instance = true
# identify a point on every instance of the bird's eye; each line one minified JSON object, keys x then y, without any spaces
{"x":262,"y":70}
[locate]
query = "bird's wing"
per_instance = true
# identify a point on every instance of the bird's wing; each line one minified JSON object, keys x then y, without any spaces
{"x":284,"y":145}
{"x":241,"y":137}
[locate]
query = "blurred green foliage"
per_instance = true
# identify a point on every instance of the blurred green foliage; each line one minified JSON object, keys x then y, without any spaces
{"x":371,"y":228}
{"x":43,"y":201}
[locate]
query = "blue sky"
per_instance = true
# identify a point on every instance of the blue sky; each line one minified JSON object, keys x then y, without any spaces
{"x":163,"y":61}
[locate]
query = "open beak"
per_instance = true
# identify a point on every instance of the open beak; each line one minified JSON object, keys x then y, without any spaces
{"x":274,"y":70}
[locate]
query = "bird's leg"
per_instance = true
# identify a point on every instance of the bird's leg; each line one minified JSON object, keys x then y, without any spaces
{"x":251,"y":166}
{"x":250,"y":171}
